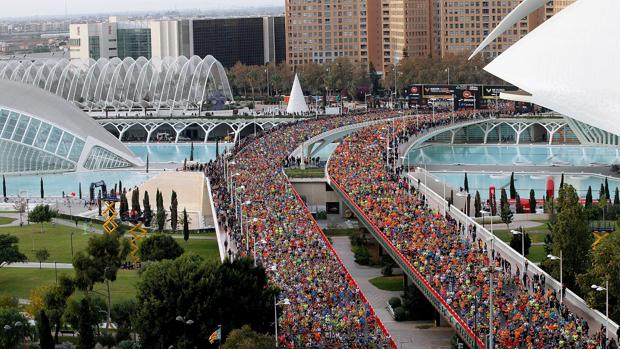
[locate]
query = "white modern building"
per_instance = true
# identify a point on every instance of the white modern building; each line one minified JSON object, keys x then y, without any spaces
{"x":93,"y":40}
{"x":42,"y":133}
{"x":568,"y":65}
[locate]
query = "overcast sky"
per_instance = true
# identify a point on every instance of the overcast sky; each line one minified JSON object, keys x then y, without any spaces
{"x":57,"y":7}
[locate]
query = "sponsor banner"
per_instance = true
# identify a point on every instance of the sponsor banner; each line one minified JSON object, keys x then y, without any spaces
{"x":493,"y":91}
{"x":467,"y":96}
{"x":442,"y":91}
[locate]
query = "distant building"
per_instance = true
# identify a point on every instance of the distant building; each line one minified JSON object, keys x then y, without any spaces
{"x":251,"y":41}
{"x":93,"y":40}
{"x":171,"y":38}
{"x":133,"y":39}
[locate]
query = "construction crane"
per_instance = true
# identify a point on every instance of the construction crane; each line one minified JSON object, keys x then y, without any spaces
{"x":110,"y":226}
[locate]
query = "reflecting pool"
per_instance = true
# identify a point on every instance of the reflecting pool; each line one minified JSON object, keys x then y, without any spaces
{"x":517,"y":155}
{"x":524,"y":182}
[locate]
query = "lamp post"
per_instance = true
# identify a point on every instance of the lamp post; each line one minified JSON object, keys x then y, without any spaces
{"x":606,"y":289}
{"x":554,"y":258}
{"x":445,"y":202}
{"x":285,"y":301}
{"x":247,"y":235}
{"x":520,"y":232}
{"x":185,"y":323}
{"x":491,"y":269}
{"x":483,"y":213}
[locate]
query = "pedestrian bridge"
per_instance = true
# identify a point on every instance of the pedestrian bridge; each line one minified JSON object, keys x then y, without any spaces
{"x":576,"y":304}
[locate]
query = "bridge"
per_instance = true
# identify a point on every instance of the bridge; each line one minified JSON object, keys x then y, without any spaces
{"x":576,"y":304}
{"x":187,"y":129}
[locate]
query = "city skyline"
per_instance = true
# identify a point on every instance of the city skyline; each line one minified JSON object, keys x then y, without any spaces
{"x":33,"y":8}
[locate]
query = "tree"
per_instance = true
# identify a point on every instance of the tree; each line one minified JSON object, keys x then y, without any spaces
{"x":191,"y":153}
{"x":601,"y":192}
{"x":18,"y":328}
{"x":518,"y":206}
{"x":123,"y":315}
{"x":42,"y":214}
{"x":466,"y":183}
{"x":46,"y":341}
{"x":3,"y":186}
{"x":515,"y":243}
{"x":99,"y":263}
{"x":185,"y":225}
{"x":42,"y":255}
{"x":87,"y":334}
{"x":605,"y":267}
{"x":42,"y":191}
{"x":506,"y":214}
{"x":513,"y":190}
{"x":159,"y":247}
{"x":123,"y":209}
{"x":9,"y":251}
{"x":589,"y":197}
{"x":607,"y":188}
{"x":148,"y":213}
{"x":571,"y":235}
{"x":55,"y":302}
{"x":174,"y":211}
{"x":532,"y":201}
{"x":135,"y":201}
{"x":477,"y":204}
{"x":616,"y":197}
{"x":245,"y":338}
{"x":562,"y":180}
{"x":80,"y":190}
{"x":231,"y":294}
{"x":161,"y":212}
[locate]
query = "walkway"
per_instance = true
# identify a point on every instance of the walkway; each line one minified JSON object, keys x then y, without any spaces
{"x":35,"y":265}
{"x":406,"y":334}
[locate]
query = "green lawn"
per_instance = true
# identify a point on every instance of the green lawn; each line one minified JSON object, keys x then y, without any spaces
{"x":18,"y":282}
{"x":388,"y":283}
{"x":55,"y":238}
{"x":307,"y":173}
{"x":5,"y":220}
{"x":537,"y":254}
{"x":207,"y":249}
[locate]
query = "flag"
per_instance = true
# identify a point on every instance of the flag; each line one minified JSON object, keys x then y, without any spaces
{"x":216,"y":335}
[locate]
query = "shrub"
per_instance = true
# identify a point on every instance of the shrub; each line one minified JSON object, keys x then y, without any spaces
{"x":400,"y":314}
{"x":361,"y":254}
{"x":395,"y":302}
{"x":321,"y":215}
{"x":386,"y":270}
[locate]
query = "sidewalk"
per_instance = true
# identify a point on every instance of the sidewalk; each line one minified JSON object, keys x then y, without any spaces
{"x":35,"y":265}
{"x":406,"y":334}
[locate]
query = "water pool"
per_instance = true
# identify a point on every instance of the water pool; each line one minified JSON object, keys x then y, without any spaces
{"x":55,"y":184}
{"x":203,"y":152}
{"x":481,"y":182}
{"x":517,"y":155}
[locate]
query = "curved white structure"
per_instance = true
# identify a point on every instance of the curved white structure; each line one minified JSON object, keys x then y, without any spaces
{"x":569,"y":64}
{"x":297,"y":101}
{"x":42,"y":133}
{"x":169,"y":83}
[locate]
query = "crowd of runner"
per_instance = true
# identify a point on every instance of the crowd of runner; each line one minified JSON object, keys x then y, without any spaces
{"x":456,"y":263}
{"x":263,"y":217}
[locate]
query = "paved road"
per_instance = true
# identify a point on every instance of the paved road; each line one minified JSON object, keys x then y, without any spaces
{"x":406,"y":334}
{"x":35,"y":265}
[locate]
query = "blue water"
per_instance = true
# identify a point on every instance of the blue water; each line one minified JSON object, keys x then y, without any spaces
{"x":524,"y":182}
{"x":523,"y":155}
{"x":176,"y":153}
{"x":55,"y":184}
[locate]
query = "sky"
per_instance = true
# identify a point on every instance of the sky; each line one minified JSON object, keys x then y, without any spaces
{"x":57,"y":7}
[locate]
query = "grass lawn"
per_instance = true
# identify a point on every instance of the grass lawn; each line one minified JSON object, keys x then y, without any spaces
{"x":5,"y":220}
{"x":18,"y":282}
{"x":537,"y":233}
{"x":537,"y":254}
{"x":55,"y":238}
{"x":307,"y":173}
{"x":388,"y":283}
{"x":207,"y":249}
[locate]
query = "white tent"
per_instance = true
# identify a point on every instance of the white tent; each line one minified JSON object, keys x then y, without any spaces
{"x":297,"y":102}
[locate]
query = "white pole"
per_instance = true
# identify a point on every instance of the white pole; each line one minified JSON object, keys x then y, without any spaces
{"x":275,"y":311}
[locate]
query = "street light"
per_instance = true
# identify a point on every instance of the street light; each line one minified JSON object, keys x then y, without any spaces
{"x":445,"y":202}
{"x":490,"y":271}
{"x":186,"y":323}
{"x":285,"y":301}
{"x":517,"y":232}
{"x":483,"y":213}
{"x":555,"y":258}
{"x":606,"y":289}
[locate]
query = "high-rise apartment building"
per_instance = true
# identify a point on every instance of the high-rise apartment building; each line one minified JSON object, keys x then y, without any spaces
{"x":464,"y":24}
{"x":544,"y":13}
{"x":323,"y":30}
{"x":250,"y":40}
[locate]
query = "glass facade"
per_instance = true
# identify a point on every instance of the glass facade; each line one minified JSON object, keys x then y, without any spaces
{"x":100,"y":158}
{"x":134,"y":43}
{"x":94,"y":47}
{"x":29,"y":144}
